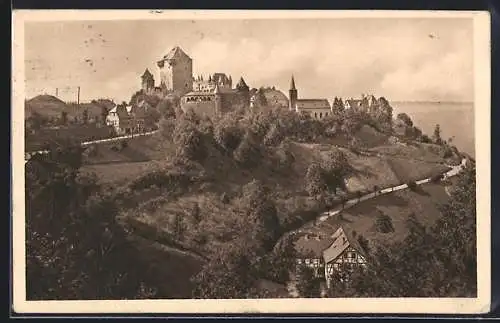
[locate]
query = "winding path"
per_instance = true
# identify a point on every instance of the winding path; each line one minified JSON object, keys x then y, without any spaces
{"x":28,"y":155}
{"x":455,"y":170}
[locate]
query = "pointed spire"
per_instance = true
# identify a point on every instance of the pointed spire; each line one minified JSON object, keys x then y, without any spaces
{"x":147,"y":74}
{"x":242,"y":85}
{"x":292,"y":84}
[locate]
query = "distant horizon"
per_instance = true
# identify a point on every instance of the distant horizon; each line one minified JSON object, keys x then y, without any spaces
{"x":329,"y":100}
{"x":428,"y":59}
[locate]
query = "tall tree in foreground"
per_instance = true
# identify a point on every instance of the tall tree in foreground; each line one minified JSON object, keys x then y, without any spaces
{"x":75,"y":249}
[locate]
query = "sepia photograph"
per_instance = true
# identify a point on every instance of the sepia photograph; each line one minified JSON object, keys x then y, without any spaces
{"x":251,"y":161}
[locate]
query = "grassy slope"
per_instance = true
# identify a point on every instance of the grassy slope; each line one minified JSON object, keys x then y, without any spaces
{"x":221,"y":225}
{"x":397,"y":205}
{"x":51,"y":106}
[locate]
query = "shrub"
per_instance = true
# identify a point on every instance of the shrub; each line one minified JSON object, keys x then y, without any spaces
{"x":383,"y":223}
{"x":437,"y":178}
{"x":412,"y":185}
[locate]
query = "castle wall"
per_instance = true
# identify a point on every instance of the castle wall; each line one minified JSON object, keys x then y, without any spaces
{"x":203,"y":105}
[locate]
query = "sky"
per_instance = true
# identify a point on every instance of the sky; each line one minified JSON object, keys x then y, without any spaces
{"x":402,"y":59}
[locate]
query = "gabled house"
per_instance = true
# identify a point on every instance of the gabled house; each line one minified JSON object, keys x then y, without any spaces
{"x":329,"y":256}
{"x":343,"y":255}
{"x":127,"y":119}
{"x":309,"y":248}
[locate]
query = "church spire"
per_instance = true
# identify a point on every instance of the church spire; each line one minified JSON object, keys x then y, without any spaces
{"x":292,"y":84}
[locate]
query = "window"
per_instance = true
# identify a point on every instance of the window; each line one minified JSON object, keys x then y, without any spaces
{"x":320,"y":115}
{"x":315,"y":115}
{"x":308,"y":261}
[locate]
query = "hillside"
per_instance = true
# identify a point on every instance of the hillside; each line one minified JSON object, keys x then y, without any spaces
{"x":46,"y":105}
{"x":51,"y":107}
{"x":361,"y":218}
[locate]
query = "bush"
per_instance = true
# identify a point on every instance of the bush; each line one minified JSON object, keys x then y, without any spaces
{"x":437,"y":178}
{"x":412,"y":185}
{"x":383,"y":223}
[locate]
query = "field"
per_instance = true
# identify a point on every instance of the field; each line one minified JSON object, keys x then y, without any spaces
{"x":35,"y":141}
{"x":384,"y":171}
{"x":121,"y":172}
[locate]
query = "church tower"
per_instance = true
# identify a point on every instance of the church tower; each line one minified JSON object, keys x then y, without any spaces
{"x":293,"y":95}
{"x":176,"y":72}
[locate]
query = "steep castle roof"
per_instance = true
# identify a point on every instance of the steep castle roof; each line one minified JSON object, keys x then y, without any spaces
{"x":242,"y":86}
{"x":220,"y":77}
{"x":147,"y":74}
{"x":176,"y":53}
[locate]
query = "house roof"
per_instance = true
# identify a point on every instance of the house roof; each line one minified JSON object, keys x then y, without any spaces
{"x":313,"y":244}
{"x":175,"y":53}
{"x":312,"y":103}
{"x":328,"y":247}
{"x":341,"y":241}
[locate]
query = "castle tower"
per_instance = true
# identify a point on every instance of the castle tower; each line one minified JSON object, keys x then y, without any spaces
{"x":218,"y":99}
{"x":148,"y":81}
{"x":176,"y":71}
{"x":293,"y":94}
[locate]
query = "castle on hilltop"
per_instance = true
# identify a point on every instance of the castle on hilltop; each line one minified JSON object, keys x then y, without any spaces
{"x":215,"y":94}
{"x":206,"y":96}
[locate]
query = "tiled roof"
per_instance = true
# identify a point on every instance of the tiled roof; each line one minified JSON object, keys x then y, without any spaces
{"x":312,"y":103}
{"x":313,"y":244}
{"x":341,"y":241}
{"x":175,"y":53}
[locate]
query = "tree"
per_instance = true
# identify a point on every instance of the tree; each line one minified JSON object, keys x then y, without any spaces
{"x":151,"y":118}
{"x":247,"y":154}
{"x":104,"y":113}
{"x":315,"y":183}
{"x":227,"y":134}
{"x":343,"y":201}
{"x":261,"y":213}
{"x":334,"y":169}
{"x":85,"y":116}
{"x":188,"y":139}
{"x":412,"y":185}
{"x":436,"y":137}
{"x":229,"y":274}
{"x":307,"y":284}
{"x":64,"y":118}
{"x":359,"y":195}
{"x":405,"y":118}
{"x":383,"y":223}
{"x":75,"y":249}
{"x":166,"y":108}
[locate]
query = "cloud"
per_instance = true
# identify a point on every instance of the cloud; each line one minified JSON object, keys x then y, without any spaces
{"x":396,"y":59}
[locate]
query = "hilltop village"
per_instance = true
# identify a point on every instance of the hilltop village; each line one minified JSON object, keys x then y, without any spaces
{"x":216,"y":95}
{"x":206,"y":187}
